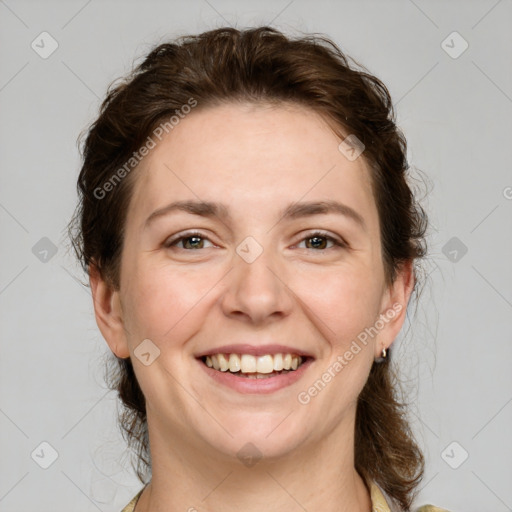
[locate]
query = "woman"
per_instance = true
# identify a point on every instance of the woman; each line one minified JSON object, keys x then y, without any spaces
{"x":251,"y":239}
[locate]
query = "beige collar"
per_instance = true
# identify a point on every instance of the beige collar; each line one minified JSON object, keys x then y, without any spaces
{"x":379,"y":503}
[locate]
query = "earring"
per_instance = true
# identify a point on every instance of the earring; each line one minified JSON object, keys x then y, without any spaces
{"x":382,"y":357}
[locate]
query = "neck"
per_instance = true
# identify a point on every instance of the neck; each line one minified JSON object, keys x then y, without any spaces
{"x":319,"y":476}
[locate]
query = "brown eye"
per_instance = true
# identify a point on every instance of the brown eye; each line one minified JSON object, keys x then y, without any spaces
{"x":318,"y":241}
{"x":194,"y":242}
{"x":191,"y":241}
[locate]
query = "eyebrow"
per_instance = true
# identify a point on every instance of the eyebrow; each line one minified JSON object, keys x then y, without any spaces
{"x":292,"y":211}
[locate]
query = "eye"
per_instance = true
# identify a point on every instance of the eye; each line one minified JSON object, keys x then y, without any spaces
{"x":195,"y":240}
{"x":192,"y":240}
{"x":319,"y":240}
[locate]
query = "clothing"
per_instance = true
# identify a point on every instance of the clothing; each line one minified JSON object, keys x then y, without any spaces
{"x":131,"y":506}
{"x":379,"y":502}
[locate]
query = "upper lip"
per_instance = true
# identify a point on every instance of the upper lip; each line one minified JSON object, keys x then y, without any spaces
{"x":255,"y":350}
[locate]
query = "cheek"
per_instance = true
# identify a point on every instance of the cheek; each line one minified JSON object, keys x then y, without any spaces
{"x":162,"y":301}
{"x":344,"y":301}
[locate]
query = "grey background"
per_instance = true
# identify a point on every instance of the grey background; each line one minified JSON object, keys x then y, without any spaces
{"x":455,"y":352}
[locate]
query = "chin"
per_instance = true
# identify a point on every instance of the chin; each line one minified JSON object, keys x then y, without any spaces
{"x":257,"y":443}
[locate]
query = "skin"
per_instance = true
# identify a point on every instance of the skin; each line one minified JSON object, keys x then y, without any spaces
{"x":256,"y":159}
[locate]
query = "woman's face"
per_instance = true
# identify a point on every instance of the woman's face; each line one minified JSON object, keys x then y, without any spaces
{"x":251,"y":277}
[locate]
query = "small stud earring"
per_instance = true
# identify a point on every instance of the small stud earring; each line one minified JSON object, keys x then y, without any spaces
{"x":382,"y":358}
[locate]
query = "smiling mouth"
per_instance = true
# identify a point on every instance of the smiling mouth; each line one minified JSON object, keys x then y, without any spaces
{"x":254,"y":367}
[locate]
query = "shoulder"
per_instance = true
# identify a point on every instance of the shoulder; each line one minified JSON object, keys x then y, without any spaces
{"x":431,"y":508}
{"x":382,"y":503}
{"x":379,"y":502}
{"x":131,"y":506}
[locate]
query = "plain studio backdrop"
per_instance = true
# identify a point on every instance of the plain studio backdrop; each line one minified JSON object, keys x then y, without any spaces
{"x":447,"y":66}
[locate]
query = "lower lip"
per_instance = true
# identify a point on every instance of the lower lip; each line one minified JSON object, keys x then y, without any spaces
{"x":257,"y":386}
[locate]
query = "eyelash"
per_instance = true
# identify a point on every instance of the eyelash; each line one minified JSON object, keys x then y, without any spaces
{"x":315,"y":234}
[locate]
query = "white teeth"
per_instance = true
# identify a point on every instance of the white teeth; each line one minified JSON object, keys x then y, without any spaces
{"x":260,"y":375}
{"x":278,"y":362}
{"x":265,"y":364}
{"x":223,"y":363}
{"x":234,"y":363}
{"x":249,"y":364}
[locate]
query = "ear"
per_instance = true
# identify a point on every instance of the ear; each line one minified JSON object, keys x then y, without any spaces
{"x":108,"y":312}
{"x":394,"y":307}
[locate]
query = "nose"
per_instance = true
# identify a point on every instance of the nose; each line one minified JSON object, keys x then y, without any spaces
{"x":257,"y":291}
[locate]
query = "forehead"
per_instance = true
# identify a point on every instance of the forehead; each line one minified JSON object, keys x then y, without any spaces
{"x":250,"y":155}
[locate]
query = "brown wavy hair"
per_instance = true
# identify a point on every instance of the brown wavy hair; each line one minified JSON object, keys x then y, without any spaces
{"x":259,"y":65}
